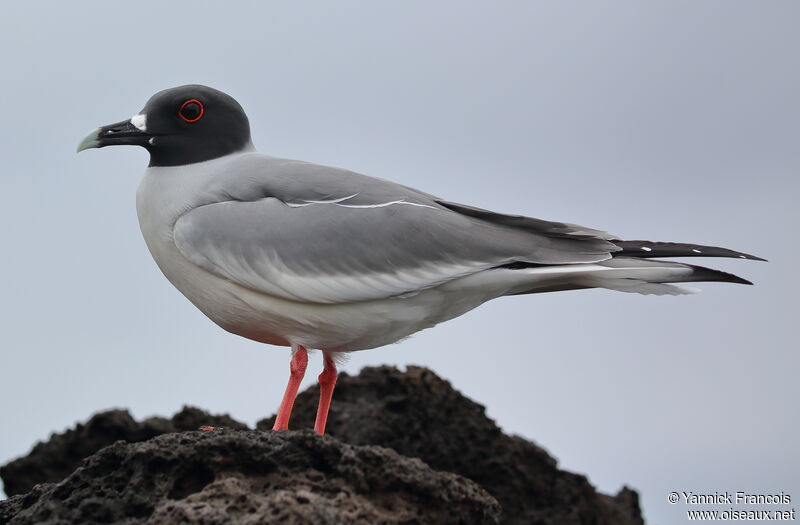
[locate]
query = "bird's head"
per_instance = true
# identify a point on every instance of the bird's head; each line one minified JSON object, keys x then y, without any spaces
{"x":181,"y":125}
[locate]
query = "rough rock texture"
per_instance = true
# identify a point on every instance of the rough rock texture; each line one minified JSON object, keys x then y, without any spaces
{"x":55,"y":459}
{"x":420,"y":415}
{"x":233,"y":476}
{"x":416,"y":413}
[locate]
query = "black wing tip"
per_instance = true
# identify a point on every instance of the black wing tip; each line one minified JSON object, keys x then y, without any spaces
{"x":648,"y":249}
{"x":742,"y":255}
{"x":701,"y":273}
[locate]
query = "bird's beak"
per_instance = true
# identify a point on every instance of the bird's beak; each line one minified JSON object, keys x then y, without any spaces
{"x":124,"y":132}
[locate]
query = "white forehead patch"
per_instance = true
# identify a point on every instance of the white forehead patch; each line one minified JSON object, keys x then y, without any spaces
{"x":139,"y":122}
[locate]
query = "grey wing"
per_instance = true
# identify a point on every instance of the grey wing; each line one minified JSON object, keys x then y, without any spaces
{"x":328,"y":236}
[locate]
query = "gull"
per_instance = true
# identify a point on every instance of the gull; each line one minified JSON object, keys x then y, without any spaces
{"x":306,"y":256}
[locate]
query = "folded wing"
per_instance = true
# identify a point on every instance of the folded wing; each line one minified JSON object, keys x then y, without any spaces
{"x":362,"y":239}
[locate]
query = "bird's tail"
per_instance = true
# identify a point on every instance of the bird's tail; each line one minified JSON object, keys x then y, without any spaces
{"x":624,"y":274}
{"x":646,"y":276}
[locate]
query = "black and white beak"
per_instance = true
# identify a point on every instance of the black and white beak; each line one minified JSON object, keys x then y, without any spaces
{"x":131,"y":132}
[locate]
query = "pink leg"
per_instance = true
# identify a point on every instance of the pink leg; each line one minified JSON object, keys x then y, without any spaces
{"x":297,"y":369}
{"x":327,"y":380}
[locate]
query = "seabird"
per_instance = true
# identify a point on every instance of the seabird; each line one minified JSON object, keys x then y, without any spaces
{"x":297,"y":254}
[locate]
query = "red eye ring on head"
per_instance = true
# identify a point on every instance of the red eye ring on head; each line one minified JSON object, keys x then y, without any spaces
{"x":194,"y":118}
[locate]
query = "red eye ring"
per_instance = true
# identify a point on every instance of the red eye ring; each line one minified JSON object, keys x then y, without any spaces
{"x":192,"y":101}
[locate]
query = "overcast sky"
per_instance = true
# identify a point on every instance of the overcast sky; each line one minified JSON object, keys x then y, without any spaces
{"x":673,"y":121}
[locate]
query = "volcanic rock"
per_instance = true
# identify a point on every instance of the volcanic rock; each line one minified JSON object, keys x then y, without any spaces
{"x":296,"y":475}
{"x":251,"y":477}
{"x":56,"y":458}
{"x":421,"y":415}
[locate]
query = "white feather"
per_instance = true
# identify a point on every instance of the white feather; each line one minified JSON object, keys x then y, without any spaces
{"x":139,"y":122}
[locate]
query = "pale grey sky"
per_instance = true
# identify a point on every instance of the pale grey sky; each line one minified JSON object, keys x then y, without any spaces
{"x":664,"y":120}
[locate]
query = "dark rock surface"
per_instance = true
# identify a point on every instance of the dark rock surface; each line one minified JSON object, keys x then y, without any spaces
{"x":53,"y":460}
{"x":416,"y":413}
{"x":421,"y":415}
{"x":234,"y":476}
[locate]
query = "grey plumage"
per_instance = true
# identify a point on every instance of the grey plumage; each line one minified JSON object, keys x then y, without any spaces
{"x":320,"y":234}
{"x":270,"y":220}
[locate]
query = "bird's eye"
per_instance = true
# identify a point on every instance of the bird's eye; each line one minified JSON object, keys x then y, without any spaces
{"x":191,"y":110}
